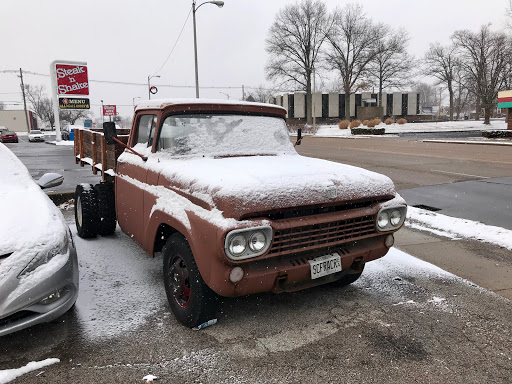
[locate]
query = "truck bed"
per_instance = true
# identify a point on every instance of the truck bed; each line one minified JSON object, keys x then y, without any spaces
{"x":91,"y":149}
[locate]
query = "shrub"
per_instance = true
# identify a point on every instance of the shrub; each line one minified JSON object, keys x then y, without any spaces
{"x":371,"y":124}
{"x":401,"y":121}
{"x":343,"y":124}
{"x":496,"y":134}
{"x":365,"y":122}
{"x":355,"y":124}
{"x":368,"y":131}
{"x":377,"y":121}
{"x":389,"y":121}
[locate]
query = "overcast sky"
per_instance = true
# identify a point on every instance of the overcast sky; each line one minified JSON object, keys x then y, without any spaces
{"x":124,"y":40}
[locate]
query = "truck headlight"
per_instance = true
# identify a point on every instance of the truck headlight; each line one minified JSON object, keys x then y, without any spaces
{"x":389,"y":219}
{"x":245,"y":243}
{"x":45,"y":256}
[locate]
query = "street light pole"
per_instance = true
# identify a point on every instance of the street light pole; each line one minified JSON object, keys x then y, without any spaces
{"x":219,"y":4}
{"x":102,"y":116}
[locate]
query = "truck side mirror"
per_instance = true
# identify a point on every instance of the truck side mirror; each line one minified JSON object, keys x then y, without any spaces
{"x":109,"y":130}
{"x":299,"y":136}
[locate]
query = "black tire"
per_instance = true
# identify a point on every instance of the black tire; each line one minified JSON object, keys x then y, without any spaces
{"x":106,"y":208}
{"x":191,"y":300}
{"x":349,"y":278}
{"x":86,"y":211}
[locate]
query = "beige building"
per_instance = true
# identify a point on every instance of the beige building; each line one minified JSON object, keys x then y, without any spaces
{"x":14,"y":120}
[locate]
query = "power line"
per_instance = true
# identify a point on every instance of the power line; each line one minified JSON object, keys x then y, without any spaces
{"x":172,"y":50}
{"x":145,"y":84}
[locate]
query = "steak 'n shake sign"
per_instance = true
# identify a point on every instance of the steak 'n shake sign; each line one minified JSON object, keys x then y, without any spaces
{"x":69,"y":78}
{"x":72,"y":79}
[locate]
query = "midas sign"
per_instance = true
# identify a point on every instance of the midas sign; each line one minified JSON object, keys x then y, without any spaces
{"x":72,"y":79}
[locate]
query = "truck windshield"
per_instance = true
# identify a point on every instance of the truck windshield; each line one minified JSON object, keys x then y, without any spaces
{"x":224,"y":135}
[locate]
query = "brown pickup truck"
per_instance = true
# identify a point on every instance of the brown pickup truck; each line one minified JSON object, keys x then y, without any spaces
{"x":219,"y":189}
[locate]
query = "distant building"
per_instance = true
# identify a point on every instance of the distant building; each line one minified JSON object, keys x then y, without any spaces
{"x":332,"y":105}
{"x":15,"y":120}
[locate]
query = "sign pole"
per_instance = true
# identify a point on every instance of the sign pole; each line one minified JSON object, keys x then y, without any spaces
{"x":55,"y":100}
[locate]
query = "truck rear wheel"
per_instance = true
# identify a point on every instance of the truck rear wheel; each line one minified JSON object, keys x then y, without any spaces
{"x":106,"y":208}
{"x":190,"y":299}
{"x":86,"y":211}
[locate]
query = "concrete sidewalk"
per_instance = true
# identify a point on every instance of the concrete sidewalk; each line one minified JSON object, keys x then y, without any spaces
{"x":486,"y":265}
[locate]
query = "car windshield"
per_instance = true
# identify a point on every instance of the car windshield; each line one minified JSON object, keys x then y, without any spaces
{"x":36,"y":132}
{"x":224,"y":135}
{"x":8,"y":133}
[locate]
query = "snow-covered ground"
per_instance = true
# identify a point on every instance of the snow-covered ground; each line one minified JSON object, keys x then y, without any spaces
{"x":448,"y":126}
{"x":455,"y":228}
{"x":9,"y":375}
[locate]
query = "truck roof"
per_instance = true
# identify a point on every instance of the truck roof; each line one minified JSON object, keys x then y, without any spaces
{"x":163,"y":103}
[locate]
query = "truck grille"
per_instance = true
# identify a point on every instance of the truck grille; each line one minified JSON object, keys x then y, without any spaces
{"x":323,"y":235}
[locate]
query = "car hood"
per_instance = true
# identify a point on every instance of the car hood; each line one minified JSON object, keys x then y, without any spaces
{"x":30,"y":221}
{"x":241,"y":186}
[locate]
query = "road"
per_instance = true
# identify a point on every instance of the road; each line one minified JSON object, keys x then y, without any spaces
{"x":404,"y":321}
{"x":40,"y":158}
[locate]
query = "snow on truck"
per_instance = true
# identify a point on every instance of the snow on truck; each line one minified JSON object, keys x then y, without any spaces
{"x":219,"y":189}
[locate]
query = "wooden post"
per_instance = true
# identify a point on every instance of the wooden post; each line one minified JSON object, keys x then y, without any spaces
{"x":94,"y":153}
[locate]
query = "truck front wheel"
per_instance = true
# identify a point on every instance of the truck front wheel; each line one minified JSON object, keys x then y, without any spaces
{"x":86,"y":211}
{"x":190,"y":299}
{"x":349,"y":278}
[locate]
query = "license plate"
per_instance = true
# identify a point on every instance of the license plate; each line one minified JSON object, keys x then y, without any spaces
{"x":325,"y":265}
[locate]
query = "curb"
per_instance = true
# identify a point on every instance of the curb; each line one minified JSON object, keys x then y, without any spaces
{"x":60,"y":197}
{"x":468,"y":142}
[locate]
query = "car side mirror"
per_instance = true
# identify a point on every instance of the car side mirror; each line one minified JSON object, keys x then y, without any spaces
{"x":49,"y":180}
{"x":109,"y":130}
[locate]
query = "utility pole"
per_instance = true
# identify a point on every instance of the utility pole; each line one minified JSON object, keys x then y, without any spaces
{"x":243,"y":93}
{"x":24,"y":100}
{"x":314,"y":106}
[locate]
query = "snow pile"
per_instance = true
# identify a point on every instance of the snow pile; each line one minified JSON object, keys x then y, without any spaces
{"x":11,"y":374}
{"x":454,"y":228}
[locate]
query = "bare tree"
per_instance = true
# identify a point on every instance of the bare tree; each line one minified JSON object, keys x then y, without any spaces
{"x":260,"y":94}
{"x":71,"y":116}
{"x":441,"y":63}
{"x":352,"y":46}
{"x":428,"y":94}
{"x":294,"y":42}
{"x":485,"y":57}
{"x":392,"y":65}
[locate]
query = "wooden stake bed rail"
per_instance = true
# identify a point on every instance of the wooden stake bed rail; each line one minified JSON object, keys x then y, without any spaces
{"x":90,"y":148}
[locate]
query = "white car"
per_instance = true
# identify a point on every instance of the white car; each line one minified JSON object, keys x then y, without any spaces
{"x":36,"y":135}
{"x":38,"y":261}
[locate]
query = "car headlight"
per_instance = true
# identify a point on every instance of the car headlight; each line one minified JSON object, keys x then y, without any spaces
{"x":45,"y":256}
{"x":389,"y":219}
{"x":245,"y":243}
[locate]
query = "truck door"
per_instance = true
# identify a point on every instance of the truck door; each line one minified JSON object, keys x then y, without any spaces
{"x":131,"y":181}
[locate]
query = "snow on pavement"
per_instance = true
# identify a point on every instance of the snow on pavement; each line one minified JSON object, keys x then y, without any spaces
{"x":455,"y":228}
{"x":447,"y":126}
{"x":8,"y":375}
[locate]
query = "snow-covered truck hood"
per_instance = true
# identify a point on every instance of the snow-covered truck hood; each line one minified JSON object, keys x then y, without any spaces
{"x":240,"y":186}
